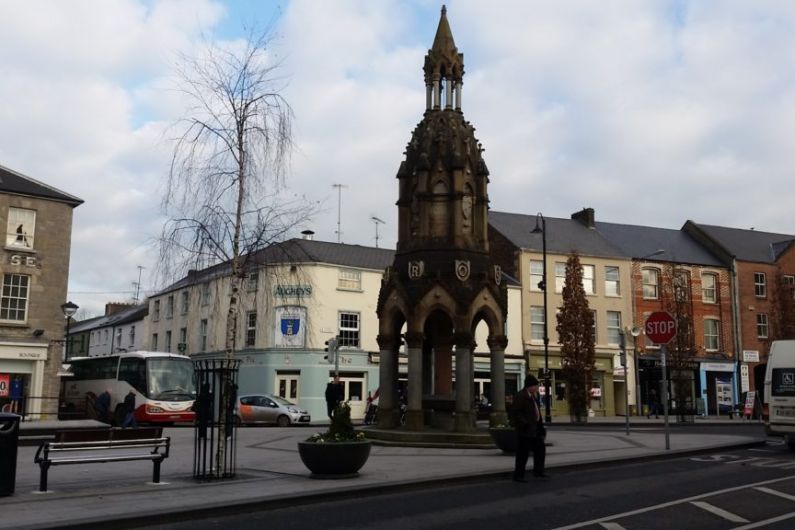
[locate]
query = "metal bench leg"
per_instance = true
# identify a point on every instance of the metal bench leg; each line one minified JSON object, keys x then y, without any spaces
{"x":156,"y":471}
{"x":45,"y":466}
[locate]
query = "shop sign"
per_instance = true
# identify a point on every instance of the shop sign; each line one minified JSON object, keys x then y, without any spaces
{"x":717,"y":367}
{"x":744,"y":379}
{"x":750,"y":356}
{"x":293,"y":291}
{"x":5,"y":383}
{"x":27,"y":261}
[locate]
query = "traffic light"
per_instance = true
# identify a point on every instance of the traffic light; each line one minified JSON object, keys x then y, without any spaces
{"x":331,"y":350}
{"x":622,"y":344}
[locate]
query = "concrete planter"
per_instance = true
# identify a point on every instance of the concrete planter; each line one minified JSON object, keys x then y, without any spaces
{"x":334,"y":459}
{"x":504,"y":438}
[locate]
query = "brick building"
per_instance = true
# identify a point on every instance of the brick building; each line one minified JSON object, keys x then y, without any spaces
{"x":35,"y":271}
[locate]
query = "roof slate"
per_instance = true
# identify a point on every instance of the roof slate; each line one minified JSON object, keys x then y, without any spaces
{"x":16,"y":183}
{"x":748,"y":245}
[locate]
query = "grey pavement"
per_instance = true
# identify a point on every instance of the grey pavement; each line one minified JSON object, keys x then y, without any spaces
{"x":270,"y":472}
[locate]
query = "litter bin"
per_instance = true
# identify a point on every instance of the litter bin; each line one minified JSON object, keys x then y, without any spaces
{"x":9,"y":438}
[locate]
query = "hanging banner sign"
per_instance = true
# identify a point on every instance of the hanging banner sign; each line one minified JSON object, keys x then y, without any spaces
{"x":290,"y":326}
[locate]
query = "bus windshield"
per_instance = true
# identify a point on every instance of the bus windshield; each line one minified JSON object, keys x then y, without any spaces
{"x":170,"y":379}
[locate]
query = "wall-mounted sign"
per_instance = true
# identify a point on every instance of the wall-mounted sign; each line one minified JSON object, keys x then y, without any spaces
{"x":290,"y":329}
{"x":750,"y":356}
{"x":293,"y":291}
{"x":744,"y":379}
{"x":24,"y":260}
{"x":5,"y":384}
{"x":717,"y":367}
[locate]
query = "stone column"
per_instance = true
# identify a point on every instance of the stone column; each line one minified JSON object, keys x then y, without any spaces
{"x":428,"y":96}
{"x":414,"y":419}
{"x":443,"y":364}
{"x":437,"y":91}
{"x":464,"y":418}
{"x":448,"y":95}
{"x":387,"y":374}
{"x":497,"y":346}
{"x":458,"y":95}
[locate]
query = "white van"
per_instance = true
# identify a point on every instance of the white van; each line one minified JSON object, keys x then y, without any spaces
{"x":780,"y":390}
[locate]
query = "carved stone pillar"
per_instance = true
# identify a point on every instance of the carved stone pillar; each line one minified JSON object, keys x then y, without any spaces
{"x":497,"y":345}
{"x":388,"y":375}
{"x":414,"y":417}
{"x":443,"y":368}
{"x":464,"y":417}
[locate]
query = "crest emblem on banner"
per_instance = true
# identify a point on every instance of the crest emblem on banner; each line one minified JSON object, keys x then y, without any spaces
{"x":416,"y":269}
{"x":462,"y":270}
{"x":290,"y":326}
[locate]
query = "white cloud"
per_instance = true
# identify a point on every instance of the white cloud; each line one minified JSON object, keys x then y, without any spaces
{"x":650,"y":112}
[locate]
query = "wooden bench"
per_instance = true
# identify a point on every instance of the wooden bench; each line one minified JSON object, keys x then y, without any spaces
{"x":103,"y":445}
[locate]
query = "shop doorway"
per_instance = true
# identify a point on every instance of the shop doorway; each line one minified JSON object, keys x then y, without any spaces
{"x":287,"y":385}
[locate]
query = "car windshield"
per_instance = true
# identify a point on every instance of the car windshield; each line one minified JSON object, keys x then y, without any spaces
{"x":170,"y":379}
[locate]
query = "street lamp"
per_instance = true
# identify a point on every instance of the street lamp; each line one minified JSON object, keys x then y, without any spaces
{"x":69,"y":309}
{"x":541,"y":228}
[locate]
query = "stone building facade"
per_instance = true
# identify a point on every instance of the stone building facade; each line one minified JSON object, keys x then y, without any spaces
{"x":35,"y":271}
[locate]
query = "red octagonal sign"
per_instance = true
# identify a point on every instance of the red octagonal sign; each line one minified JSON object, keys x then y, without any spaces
{"x":660,"y":327}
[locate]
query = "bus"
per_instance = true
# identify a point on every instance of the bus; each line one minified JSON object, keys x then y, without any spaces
{"x":163,"y":382}
{"x":780,"y":390}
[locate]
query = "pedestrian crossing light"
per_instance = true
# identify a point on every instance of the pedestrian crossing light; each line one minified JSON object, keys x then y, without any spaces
{"x":331,"y":350}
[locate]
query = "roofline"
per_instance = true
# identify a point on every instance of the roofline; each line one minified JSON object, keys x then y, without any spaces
{"x":69,"y":198}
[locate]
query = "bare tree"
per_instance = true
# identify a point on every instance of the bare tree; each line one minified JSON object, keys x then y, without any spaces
{"x":783,"y":317}
{"x":225,"y":195}
{"x":575,"y":327}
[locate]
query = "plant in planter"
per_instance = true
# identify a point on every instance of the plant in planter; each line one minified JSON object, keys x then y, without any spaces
{"x":339,"y":452}
{"x":504,"y":437}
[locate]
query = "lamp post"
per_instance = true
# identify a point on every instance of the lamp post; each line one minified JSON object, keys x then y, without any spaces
{"x":69,"y":309}
{"x":541,"y":227}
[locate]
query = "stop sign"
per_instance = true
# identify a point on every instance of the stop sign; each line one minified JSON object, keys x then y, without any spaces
{"x":660,"y":327}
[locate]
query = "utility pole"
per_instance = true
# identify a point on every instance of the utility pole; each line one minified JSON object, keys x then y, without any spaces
{"x":377,"y":222}
{"x":339,"y":210}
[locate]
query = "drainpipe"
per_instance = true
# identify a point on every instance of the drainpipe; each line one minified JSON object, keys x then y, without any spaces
{"x":737,"y":326}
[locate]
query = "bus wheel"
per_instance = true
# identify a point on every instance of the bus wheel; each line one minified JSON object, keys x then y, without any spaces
{"x":283,"y":421}
{"x":118,"y":415}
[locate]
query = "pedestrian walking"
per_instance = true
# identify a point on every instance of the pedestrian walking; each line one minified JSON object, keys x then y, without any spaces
{"x":103,"y":406}
{"x":530,"y":431}
{"x":335,"y":393}
{"x":654,"y":404}
{"x":129,"y":411}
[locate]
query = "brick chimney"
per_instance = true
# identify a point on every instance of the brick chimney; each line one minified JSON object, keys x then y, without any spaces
{"x":111,"y":308}
{"x":586,"y":216}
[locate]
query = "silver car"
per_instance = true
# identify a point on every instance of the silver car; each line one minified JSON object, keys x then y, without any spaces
{"x":267,"y":408}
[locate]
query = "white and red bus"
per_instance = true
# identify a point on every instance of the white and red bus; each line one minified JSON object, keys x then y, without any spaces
{"x":163,"y":382}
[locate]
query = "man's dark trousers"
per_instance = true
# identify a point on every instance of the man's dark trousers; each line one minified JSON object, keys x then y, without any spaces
{"x":524,"y":445}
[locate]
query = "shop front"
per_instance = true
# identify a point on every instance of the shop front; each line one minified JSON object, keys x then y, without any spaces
{"x":682,"y":377}
{"x":600,"y":392}
{"x":21,"y":378}
{"x":717,"y":388}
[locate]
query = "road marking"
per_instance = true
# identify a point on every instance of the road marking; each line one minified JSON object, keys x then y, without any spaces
{"x":674,"y":503}
{"x":720,"y":512}
{"x":777,"y":493}
{"x":762,"y":450}
{"x":612,"y":526}
{"x":766,"y":522}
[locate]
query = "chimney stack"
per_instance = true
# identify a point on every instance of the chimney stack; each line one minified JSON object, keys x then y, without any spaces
{"x":586,"y":216}
{"x":308,"y":235}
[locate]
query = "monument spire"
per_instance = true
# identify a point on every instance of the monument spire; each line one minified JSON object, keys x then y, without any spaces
{"x":444,"y":69}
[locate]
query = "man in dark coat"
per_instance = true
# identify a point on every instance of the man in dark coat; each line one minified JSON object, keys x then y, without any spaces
{"x":530,"y":431}
{"x":129,"y":409}
{"x":335,"y":393}
{"x":103,"y":406}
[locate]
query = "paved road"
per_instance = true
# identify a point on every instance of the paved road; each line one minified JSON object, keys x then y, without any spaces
{"x":753,"y":488}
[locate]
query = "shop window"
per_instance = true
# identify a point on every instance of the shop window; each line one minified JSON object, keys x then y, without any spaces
{"x":21,"y":228}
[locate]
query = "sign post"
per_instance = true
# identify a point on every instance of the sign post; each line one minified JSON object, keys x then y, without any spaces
{"x":660,"y":327}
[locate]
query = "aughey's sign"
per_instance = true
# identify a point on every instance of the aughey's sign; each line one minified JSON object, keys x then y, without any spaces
{"x":293,"y":291}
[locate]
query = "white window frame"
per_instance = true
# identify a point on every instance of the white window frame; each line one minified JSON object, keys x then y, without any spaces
{"x":762,"y":326}
{"x":760,"y":284}
{"x":648,"y":285}
{"x":183,"y":337}
{"x":156,"y":311}
{"x":349,"y":280}
{"x":118,"y":337}
{"x":708,"y":337}
{"x":252,"y":281}
{"x":613,"y":328}
{"x":154,"y":341}
{"x":23,"y":219}
{"x":560,"y":276}
{"x":251,"y":328}
{"x":15,"y":298}
{"x":589,"y":278}
{"x":709,"y":295}
{"x":537,"y":318}
{"x":205,"y":293}
{"x":349,"y":335}
{"x":612,"y":285}
{"x":168,"y":341}
{"x":536,"y":274}
{"x":184,"y":302}
{"x":132,"y":336}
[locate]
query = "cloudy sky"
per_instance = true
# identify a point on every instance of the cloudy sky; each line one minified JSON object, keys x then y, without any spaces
{"x":650,"y":112}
